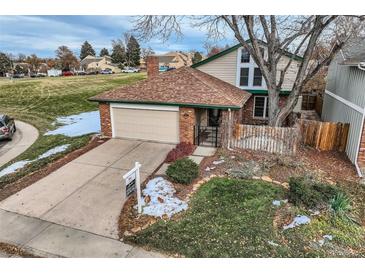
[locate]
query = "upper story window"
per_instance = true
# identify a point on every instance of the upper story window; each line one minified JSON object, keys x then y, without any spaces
{"x":245,"y":56}
{"x":244,"y":76}
{"x":261,"y":107}
{"x":257,"y":77}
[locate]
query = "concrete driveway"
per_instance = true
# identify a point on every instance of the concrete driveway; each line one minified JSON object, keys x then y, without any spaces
{"x":88,"y":193}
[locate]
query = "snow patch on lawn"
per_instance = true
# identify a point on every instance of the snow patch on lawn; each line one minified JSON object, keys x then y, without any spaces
{"x":298,"y":220}
{"x":20,"y":164}
{"x":77,"y":125}
{"x":158,"y":199}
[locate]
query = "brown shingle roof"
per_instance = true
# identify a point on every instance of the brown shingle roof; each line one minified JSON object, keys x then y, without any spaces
{"x":184,"y":86}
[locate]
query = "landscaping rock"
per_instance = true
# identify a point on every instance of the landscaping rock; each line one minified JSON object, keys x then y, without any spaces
{"x":266,"y":179}
{"x":218,"y":162}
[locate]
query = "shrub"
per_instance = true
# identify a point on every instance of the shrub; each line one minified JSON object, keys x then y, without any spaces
{"x":183,"y":171}
{"x":340,"y":204}
{"x":180,"y":151}
{"x":310,"y":194}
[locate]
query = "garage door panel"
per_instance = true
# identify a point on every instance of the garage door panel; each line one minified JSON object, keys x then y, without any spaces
{"x":155,"y":125}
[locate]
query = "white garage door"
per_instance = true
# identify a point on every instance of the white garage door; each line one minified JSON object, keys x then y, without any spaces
{"x":154,"y":123}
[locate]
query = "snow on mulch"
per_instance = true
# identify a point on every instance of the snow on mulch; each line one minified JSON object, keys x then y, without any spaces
{"x":325,"y":238}
{"x":20,"y":164}
{"x":298,"y":220}
{"x":77,"y":125}
{"x":279,"y":202}
{"x":158,"y":199}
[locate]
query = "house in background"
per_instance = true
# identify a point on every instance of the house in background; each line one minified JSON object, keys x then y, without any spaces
{"x":171,"y":60}
{"x":96,"y":64}
{"x":236,"y":67}
{"x":344,"y":99}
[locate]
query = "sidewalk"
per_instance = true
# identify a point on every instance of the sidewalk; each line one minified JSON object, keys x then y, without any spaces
{"x":46,"y":239}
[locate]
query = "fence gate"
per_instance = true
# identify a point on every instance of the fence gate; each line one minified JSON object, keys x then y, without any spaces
{"x":207,"y":136}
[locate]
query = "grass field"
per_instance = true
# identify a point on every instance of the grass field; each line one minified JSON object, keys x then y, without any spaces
{"x":236,"y":218}
{"x":40,"y":101}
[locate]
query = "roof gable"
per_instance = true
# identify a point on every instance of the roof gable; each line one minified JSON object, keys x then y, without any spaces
{"x":235,"y":47}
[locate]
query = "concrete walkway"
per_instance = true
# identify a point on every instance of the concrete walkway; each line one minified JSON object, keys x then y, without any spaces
{"x":74,"y":211}
{"x":23,"y":138}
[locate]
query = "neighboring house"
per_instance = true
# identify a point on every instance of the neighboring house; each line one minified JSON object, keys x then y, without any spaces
{"x":236,"y":67}
{"x":175,"y":59}
{"x":95,"y":64}
{"x":344,"y":99}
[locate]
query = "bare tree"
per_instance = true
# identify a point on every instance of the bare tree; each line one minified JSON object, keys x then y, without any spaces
{"x":281,"y":34}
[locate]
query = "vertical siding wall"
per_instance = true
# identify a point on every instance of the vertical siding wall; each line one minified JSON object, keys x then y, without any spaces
{"x":348,"y":83}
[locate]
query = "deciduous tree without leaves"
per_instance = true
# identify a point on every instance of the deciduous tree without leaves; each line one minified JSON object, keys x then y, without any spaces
{"x":298,"y":34}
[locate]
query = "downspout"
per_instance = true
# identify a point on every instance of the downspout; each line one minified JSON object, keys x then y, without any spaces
{"x":229,"y":129}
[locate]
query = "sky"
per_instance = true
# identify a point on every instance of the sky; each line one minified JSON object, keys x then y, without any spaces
{"x":42,"y":35}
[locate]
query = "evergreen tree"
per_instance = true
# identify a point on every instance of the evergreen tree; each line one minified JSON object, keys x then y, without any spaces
{"x":5,"y":64}
{"x":118,"y":53}
{"x":86,"y":49}
{"x":104,"y":52}
{"x":133,"y":52}
{"x":197,"y":57}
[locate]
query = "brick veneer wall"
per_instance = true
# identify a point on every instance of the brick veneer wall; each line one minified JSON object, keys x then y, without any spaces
{"x":247,"y":113}
{"x":187,"y":123}
{"x":105,"y":122}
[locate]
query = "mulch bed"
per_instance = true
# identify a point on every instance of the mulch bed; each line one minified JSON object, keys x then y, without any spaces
{"x":30,"y":179}
{"x":329,"y":166}
{"x":14,"y":250}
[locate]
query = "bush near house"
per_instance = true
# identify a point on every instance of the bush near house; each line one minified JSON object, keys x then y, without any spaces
{"x":183,"y":171}
{"x":303,"y":191}
{"x":180,"y":151}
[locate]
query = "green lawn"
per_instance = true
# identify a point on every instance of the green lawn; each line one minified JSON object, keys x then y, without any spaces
{"x":40,"y":101}
{"x":235,"y":218}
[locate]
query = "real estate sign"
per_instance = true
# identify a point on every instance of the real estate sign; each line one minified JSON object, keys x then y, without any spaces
{"x":133,"y":183}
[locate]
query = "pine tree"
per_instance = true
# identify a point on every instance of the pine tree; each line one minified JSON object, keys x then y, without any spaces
{"x":133,"y":52}
{"x":86,"y":49}
{"x":104,"y":52}
{"x":118,"y":53}
{"x":5,"y":64}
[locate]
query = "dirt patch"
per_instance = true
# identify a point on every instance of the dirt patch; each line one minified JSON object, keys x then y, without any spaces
{"x":30,"y":179}
{"x":14,"y":250}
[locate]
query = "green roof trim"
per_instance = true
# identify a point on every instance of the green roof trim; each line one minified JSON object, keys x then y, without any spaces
{"x":165,"y":104}
{"x":226,"y":51}
{"x":265,"y":92}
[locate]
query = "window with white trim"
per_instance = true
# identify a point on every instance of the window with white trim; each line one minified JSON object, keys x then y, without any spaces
{"x":244,"y":76}
{"x":245,"y":56}
{"x":257,"y":77}
{"x":261,"y":107}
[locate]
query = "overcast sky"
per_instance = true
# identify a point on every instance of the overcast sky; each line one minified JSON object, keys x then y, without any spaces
{"x":43,"y":34}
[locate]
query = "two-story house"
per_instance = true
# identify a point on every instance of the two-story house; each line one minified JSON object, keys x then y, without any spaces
{"x":236,"y":67}
{"x":96,"y":64}
{"x":197,"y":104}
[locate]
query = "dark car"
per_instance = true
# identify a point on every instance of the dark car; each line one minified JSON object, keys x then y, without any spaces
{"x":7,"y":127}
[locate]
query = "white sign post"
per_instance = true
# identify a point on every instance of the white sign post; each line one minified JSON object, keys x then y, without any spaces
{"x":133,"y":181}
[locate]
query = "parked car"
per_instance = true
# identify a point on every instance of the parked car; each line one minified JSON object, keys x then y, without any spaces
{"x":7,"y":127}
{"x":67,"y":73}
{"x":18,"y":75}
{"x":130,"y":70}
{"x":106,"y":71}
{"x":80,"y":72}
{"x":41,"y":74}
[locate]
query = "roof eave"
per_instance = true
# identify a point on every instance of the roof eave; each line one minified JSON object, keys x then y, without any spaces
{"x":108,"y":100}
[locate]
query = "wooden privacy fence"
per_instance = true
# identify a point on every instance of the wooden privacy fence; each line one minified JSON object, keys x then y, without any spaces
{"x":282,"y":140}
{"x":324,"y":135}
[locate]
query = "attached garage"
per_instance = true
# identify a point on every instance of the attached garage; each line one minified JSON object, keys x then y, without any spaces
{"x":145,"y":122}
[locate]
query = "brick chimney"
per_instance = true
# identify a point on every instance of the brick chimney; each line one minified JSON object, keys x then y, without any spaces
{"x":152,"y":66}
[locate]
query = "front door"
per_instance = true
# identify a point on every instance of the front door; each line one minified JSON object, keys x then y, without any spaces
{"x":214,"y":116}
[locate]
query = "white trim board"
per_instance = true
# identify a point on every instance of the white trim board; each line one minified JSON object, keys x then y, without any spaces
{"x":144,"y":106}
{"x":346,"y":102}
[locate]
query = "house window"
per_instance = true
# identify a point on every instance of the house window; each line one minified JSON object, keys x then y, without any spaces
{"x":261,"y":107}
{"x":257,"y":77}
{"x":244,"y":77}
{"x":245,"y":56}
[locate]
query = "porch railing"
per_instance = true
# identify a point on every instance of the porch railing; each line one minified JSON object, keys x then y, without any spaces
{"x":206,"y":136}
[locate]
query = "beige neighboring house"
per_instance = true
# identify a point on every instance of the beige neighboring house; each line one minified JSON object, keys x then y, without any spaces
{"x":91,"y":63}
